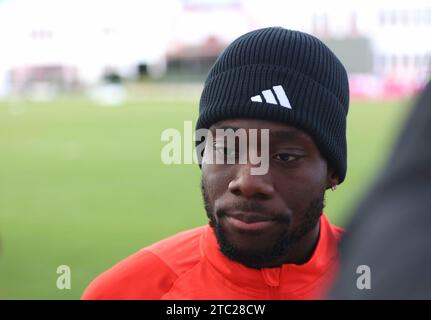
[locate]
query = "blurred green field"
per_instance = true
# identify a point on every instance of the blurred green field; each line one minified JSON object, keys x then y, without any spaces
{"x":83,"y":185}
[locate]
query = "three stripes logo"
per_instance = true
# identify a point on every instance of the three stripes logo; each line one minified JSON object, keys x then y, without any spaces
{"x":280,"y":97}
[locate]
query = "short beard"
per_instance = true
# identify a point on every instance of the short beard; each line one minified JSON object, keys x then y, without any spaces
{"x":282,"y":245}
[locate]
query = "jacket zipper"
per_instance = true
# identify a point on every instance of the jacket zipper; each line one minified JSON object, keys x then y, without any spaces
{"x":274,"y":292}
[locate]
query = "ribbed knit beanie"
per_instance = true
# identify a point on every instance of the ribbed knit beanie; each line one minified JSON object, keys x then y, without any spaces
{"x":284,"y":76}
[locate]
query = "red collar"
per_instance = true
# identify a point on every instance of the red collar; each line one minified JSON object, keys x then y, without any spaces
{"x":289,"y":276}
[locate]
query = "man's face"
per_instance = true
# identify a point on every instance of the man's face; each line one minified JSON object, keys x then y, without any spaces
{"x":266,"y":220}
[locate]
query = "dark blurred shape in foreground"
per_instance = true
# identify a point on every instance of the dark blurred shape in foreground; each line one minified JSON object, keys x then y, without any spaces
{"x":391,"y":229}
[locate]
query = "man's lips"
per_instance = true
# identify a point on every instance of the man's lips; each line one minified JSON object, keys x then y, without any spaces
{"x":249,"y":217}
{"x":249,"y":221}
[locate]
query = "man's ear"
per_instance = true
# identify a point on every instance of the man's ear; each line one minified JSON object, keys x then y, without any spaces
{"x":332,"y":178}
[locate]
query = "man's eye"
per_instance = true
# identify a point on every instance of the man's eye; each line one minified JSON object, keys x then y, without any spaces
{"x":226,"y":151}
{"x":221,"y":149}
{"x":286,"y":157}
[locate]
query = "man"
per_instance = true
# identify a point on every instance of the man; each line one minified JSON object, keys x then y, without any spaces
{"x":267,"y":236}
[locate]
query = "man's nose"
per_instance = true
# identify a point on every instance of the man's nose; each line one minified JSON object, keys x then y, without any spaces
{"x":251,"y":186}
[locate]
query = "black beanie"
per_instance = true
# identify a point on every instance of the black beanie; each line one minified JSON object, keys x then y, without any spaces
{"x":285,"y":76}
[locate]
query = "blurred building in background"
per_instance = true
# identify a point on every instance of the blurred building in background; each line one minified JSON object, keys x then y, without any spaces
{"x":55,"y":45}
{"x":50,"y":46}
{"x":201,"y":31}
{"x":382,"y":45}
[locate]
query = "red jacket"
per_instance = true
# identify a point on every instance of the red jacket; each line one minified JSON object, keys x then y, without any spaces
{"x":190,"y":265}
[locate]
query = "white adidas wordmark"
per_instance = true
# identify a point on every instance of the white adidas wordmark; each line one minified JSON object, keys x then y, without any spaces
{"x":270,"y":98}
